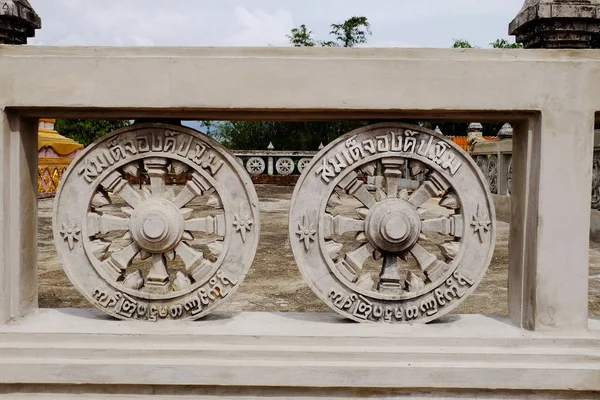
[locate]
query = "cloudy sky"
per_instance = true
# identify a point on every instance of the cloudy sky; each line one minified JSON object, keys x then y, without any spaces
{"x":395,"y":23}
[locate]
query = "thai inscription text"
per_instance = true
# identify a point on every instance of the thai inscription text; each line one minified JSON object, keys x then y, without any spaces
{"x":125,"y":305}
{"x":186,"y":146}
{"x":455,"y":287}
{"x":403,"y":141}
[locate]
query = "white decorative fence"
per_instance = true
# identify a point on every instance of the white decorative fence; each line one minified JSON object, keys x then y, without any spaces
{"x":274,"y":162}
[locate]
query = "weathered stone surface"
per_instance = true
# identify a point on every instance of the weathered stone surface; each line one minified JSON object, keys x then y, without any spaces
{"x":557,"y":23}
{"x":156,"y":224}
{"x":18,"y":21}
{"x":406,"y":265}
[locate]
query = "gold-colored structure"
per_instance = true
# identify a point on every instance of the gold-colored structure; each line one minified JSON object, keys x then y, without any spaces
{"x":55,"y":154}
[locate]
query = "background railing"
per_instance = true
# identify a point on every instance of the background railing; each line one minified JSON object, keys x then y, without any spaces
{"x":494,"y":158}
{"x":274,"y":162}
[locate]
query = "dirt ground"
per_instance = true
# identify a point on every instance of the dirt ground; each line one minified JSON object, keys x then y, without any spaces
{"x":274,"y":283}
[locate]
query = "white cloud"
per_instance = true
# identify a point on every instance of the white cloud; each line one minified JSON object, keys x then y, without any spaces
{"x":414,"y":23}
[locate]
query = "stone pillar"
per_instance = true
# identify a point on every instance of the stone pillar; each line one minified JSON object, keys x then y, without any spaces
{"x":18,"y":230}
{"x":566,"y":24}
{"x":549,"y":233}
{"x":18,"y":21}
{"x":506,"y":133}
{"x":548,"y":286}
{"x":270,"y":162}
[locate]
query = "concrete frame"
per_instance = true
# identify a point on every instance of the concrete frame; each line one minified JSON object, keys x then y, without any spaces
{"x":550,"y":97}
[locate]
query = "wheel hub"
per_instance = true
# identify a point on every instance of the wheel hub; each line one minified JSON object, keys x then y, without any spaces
{"x":393,"y":225}
{"x":156,"y":225}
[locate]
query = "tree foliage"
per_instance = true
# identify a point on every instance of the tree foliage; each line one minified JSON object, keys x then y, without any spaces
{"x":461,"y":44}
{"x":284,"y":135}
{"x":353,"y":31}
{"x":308,"y":135}
{"x":86,"y":131}
{"x":504,"y":44}
{"x":302,"y":37}
{"x":245,"y":135}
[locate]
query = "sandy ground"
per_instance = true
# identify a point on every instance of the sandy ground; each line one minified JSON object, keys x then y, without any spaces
{"x":274,"y":283}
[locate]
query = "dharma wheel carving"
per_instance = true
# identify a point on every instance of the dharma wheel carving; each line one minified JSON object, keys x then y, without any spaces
{"x":156,"y":251}
{"x":406,"y":249}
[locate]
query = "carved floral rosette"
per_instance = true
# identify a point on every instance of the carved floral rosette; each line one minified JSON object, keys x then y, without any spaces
{"x":409,"y":251}
{"x":158,"y":251}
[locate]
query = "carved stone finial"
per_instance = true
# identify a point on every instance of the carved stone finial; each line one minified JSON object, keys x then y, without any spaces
{"x":18,"y":21}
{"x":474,"y":135}
{"x":475,"y":127}
{"x":270,"y":146}
{"x":438,"y":130}
{"x":557,"y":23}
{"x":506,"y":132}
{"x":321,"y":146}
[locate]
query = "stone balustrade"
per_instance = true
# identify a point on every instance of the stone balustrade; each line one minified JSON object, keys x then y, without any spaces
{"x":495,"y":160}
{"x":274,"y":162}
{"x":545,"y":348}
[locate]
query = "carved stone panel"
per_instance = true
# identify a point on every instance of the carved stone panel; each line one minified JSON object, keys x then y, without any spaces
{"x":596,"y":181}
{"x":255,"y":165}
{"x":303,"y":163}
{"x":492,"y":173}
{"x":410,"y":250}
{"x":162,"y":252}
{"x":284,"y":166}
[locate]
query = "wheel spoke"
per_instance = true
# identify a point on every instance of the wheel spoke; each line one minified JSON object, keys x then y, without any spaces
{"x":191,"y":258}
{"x":428,"y":263}
{"x":157,"y":171}
{"x":358,"y":257}
{"x":115,"y":183}
{"x":212,"y":224}
{"x":194,"y":187}
{"x":444,"y":225}
{"x":389,"y":278}
{"x":355,"y":187}
{"x":105,"y":223}
{"x":158,"y":275}
{"x":339,"y":225}
{"x":432,"y":187}
{"x":425,"y":259}
{"x":392,"y":173}
{"x":124,"y":257}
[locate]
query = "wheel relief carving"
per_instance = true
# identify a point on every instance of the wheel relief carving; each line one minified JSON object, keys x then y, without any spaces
{"x":596,"y":181}
{"x":255,"y":165}
{"x":409,"y":250}
{"x":509,"y":175}
{"x":492,"y":173}
{"x":284,"y":166}
{"x":162,"y":251}
{"x":303,"y":163}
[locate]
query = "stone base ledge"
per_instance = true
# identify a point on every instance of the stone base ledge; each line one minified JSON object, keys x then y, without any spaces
{"x":296,"y":350}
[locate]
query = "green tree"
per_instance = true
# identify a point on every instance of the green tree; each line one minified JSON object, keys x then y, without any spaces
{"x":244,"y":135}
{"x":86,"y":131}
{"x":460,"y":128}
{"x":353,"y":31}
{"x":461,"y":44}
{"x":302,"y":37}
{"x":504,"y":44}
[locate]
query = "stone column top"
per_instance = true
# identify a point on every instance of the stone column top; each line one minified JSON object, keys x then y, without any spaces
{"x":18,"y":21}
{"x":556,"y":23}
